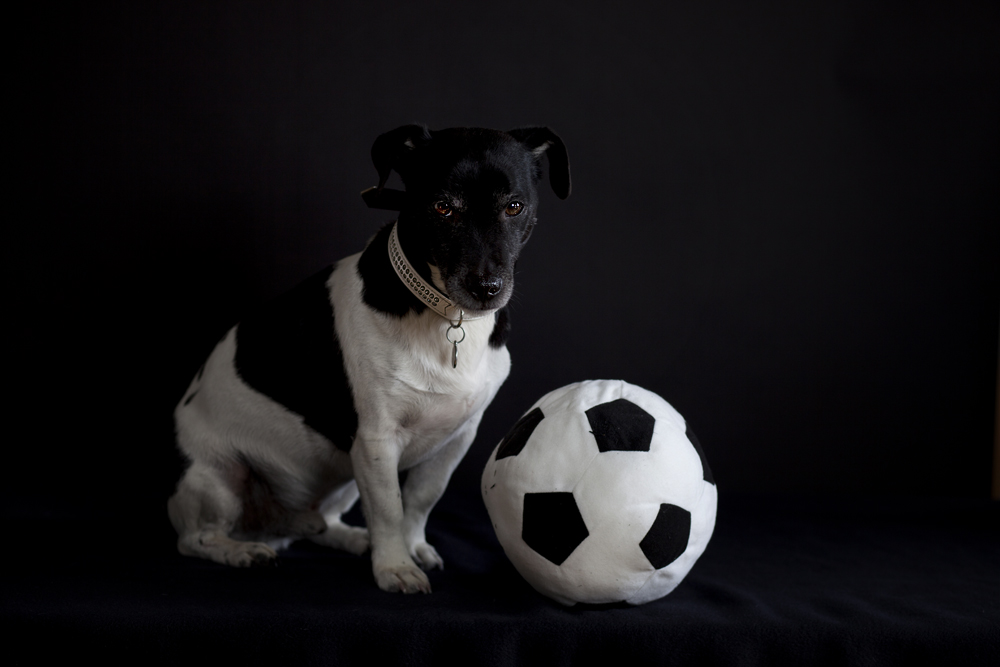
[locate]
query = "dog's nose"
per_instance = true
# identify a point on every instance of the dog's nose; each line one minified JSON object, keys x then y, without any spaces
{"x":484,"y":287}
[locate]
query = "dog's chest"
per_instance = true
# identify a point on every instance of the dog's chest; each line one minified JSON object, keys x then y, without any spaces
{"x":428,"y":401}
{"x":400,"y":369}
{"x":426,"y":420}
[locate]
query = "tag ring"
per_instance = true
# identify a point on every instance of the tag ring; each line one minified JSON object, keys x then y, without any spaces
{"x":447,"y":334}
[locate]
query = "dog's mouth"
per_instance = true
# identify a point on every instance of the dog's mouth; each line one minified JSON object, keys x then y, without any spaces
{"x":473,"y":305}
{"x":474,"y":294}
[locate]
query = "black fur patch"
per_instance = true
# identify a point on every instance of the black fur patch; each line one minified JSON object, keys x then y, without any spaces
{"x":288,"y":351}
{"x":460,"y":186}
{"x":501,"y":330}
{"x":383,"y":290}
{"x":469,"y":207}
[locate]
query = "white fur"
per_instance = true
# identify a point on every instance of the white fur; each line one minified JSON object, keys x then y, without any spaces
{"x":415,"y":412}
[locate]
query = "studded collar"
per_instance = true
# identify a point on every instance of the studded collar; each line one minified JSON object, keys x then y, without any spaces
{"x":422,"y":289}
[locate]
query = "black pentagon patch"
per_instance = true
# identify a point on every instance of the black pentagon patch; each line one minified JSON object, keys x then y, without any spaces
{"x":552,"y":525}
{"x":706,"y":471}
{"x":622,"y":426}
{"x":668,"y":537}
{"x":517,"y":436}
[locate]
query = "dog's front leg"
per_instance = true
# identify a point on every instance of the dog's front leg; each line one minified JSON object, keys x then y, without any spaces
{"x":376,"y":468}
{"x":424,"y":486}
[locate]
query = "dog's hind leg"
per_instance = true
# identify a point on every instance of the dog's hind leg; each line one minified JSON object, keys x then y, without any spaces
{"x":338,"y":534}
{"x":204,"y":511}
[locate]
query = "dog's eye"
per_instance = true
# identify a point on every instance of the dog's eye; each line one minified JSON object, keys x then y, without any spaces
{"x":442,"y":208}
{"x":514,"y":208}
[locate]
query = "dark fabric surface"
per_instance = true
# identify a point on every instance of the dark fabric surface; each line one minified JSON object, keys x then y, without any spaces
{"x":783,"y":582}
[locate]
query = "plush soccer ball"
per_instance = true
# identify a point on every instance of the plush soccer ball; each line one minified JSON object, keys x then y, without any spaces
{"x":600,"y":493}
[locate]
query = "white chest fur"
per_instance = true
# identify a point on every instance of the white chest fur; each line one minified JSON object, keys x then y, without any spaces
{"x":400,"y":369}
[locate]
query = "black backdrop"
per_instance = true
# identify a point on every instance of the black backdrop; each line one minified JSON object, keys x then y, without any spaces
{"x":784,"y":219}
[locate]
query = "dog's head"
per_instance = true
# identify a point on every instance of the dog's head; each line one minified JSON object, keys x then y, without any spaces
{"x":470,"y":202}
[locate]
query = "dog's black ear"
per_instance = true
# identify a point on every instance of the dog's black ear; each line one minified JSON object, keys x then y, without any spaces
{"x":390,"y":149}
{"x":543,"y":140}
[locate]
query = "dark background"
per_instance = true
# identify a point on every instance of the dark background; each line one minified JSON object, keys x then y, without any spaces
{"x":784,"y":219}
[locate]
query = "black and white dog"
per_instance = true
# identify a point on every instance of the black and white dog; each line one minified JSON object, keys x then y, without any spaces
{"x":382,"y":363}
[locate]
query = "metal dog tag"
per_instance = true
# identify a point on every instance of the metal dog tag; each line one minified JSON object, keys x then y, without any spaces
{"x":454,"y":343}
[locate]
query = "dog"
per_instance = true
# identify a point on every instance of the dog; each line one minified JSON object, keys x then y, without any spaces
{"x":382,"y":363}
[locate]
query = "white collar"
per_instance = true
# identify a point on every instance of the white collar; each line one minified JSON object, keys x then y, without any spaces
{"x":428,"y":295}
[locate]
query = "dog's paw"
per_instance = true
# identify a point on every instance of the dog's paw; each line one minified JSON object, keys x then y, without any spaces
{"x":426,"y":556}
{"x":355,"y":540}
{"x":402,"y":579}
{"x":352,"y":539}
{"x":346,"y":538}
{"x":307,"y":524}
{"x":251,"y":554}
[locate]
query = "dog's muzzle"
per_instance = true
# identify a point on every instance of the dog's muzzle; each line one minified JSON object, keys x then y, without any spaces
{"x":428,"y":294}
